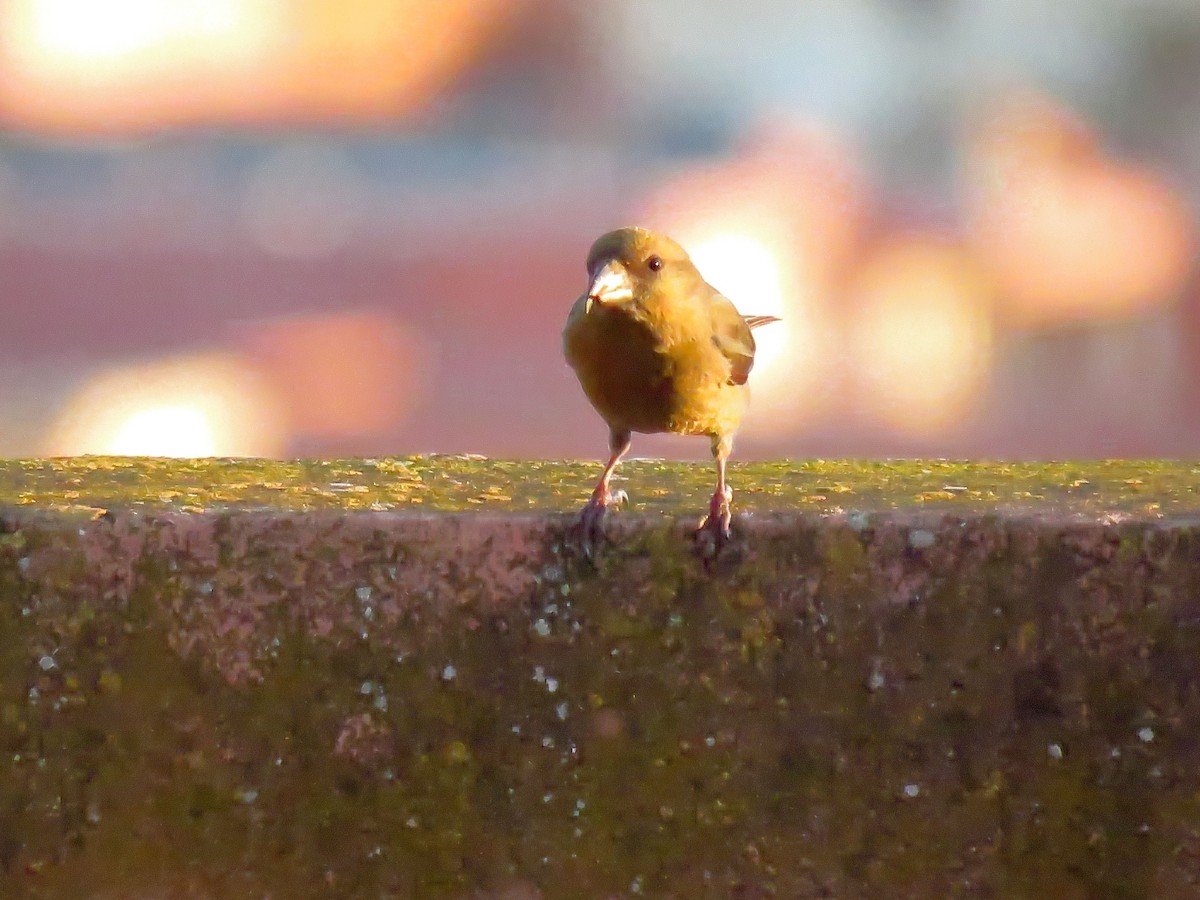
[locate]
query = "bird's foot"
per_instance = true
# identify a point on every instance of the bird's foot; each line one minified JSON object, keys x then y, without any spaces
{"x":591,"y":520}
{"x":713,"y":532}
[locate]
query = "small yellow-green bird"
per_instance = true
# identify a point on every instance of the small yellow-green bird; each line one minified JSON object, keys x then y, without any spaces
{"x":657,"y":348}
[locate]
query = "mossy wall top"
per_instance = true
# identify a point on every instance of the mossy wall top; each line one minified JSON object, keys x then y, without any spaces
{"x":393,"y":678}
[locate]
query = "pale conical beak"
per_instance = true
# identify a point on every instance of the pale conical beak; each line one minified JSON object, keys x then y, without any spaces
{"x":611,"y":285}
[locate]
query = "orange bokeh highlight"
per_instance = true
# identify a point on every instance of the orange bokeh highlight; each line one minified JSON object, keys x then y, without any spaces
{"x":207,"y":404}
{"x":131,"y":65}
{"x":802,"y":182}
{"x":921,"y":337}
{"x":775,"y":228}
{"x":340,"y":374}
{"x":1068,"y":234}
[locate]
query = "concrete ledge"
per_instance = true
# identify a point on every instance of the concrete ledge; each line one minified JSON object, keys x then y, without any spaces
{"x":936,"y":680}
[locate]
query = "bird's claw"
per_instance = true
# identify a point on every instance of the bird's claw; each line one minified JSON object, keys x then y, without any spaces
{"x":713,"y":532}
{"x":590,"y":527}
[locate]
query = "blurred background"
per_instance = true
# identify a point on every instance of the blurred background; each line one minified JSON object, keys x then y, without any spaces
{"x":312,"y":227}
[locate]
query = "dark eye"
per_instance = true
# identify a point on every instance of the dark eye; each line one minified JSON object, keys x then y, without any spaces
{"x":654,"y":263}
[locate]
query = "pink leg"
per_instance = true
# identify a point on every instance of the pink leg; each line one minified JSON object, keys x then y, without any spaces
{"x":716,"y":522}
{"x":602,"y":498}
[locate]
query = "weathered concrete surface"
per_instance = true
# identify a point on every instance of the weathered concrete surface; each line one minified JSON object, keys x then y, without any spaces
{"x":936,"y":680}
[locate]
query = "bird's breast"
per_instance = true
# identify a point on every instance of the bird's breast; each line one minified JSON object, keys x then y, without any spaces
{"x":639,"y":380}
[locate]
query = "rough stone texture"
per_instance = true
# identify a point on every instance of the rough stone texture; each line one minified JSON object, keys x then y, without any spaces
{"x":938,"y":680}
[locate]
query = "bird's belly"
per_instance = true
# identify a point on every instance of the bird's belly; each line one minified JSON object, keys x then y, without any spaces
{"x":622,"y":371}
{"x":640,"y":397}
{"x":636,"y":384}
{"x":662,"y":404}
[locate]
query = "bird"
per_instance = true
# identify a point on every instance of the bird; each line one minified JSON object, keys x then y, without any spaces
{"x":656,"y":348}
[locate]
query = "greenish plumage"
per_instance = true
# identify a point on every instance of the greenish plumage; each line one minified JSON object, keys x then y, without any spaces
{"x":658,"y":349}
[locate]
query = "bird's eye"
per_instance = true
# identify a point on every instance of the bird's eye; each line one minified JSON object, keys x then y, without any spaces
{"x":654,"y":263}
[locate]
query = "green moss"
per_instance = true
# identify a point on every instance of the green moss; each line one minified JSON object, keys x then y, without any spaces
{"x":996,"y":708}
{"x":1152,"y":488}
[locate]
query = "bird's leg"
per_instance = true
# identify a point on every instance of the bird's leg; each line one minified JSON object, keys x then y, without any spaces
{"x":602,"y":498}
{"x":716,"y":522}
{"x":618,"y":445}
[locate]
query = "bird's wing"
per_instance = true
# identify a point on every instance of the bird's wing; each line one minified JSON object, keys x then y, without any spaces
{"x":731,"y":335}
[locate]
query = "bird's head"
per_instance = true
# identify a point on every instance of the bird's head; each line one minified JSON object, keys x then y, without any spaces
{"x":630,"y":264}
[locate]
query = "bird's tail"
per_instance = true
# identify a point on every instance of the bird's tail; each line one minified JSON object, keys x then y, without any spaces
{"x":755,"y":321}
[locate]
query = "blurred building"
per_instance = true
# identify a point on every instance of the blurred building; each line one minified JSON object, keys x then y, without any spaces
{"x":272,"y":227}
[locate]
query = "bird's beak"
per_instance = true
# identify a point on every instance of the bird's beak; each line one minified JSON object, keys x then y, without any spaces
{"x":611,"y":285}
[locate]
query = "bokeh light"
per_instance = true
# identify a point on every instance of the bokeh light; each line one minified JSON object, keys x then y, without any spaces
{"x":774,"y":229}
{"x":107,"y":39}
{"x":122,"y":63}
{"x":341,"y":374}
{"x":741,"y":267}
{"x":1069,"y":234}
{"x":922,"y":336}
{"x":129,"y":65}
{"x":181,"y":429}
{"x":197,"y":405}
{"x":378,"y":210}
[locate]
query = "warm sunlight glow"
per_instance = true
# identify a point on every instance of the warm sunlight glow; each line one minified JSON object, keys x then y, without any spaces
{"x":206,"y":405}
{"x":1069,"y":234}
{"x":120,"y":64}
{"x":84,"y":31}
{"x":922,"y":338}
{"x":128,"y":65}
{"x":118,"y":38}
{"x":178,"y":430}
{"x":774,"y":227}
{"x":743,"y":264}
{"x":744,"y":270}
{"x":341,"y":374}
